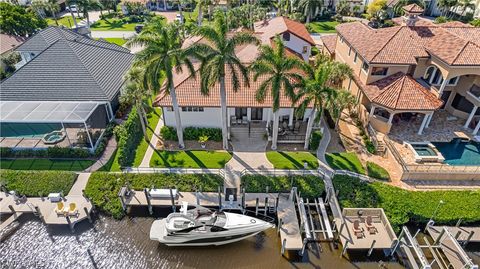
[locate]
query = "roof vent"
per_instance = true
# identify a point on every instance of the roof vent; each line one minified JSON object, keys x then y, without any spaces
{"x":412,"y":12}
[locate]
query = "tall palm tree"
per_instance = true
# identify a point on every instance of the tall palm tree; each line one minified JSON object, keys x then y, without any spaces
{"x":161,"y":56}
{"x":217,"y":56}
{"x":464,"y":4}
{"x":316,"y":92}
{"x":137,"y":92}
{"x":281,"y":76}
{"x":40,"y":6}
{"x":87,"y":5}
{"x":309,"y":8}
{"x":342,"y":100}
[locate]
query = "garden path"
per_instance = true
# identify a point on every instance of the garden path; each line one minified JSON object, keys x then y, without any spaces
{"x":106,"y":155}
{"x":153,"y":142}
{"x":79,"y":184}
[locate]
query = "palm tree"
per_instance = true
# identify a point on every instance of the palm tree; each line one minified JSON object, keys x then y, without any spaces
{"x":316,"y":92}
{"x":161,"y":56}
{"x":40,"y":6}
{"x":309,"y":8}
{"x":137,"y":91}
{"x":464,"y":4}
{"x":87,"y":5}
{"x":281,"y":76}
{"x":343,"y":100}
{"x":216,"y":56}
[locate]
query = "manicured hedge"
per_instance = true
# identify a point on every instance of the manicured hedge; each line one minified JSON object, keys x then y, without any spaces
{"x":37,"y":183}
{"x":309,"y":186}
{"x":103,"y":188}
{"x":192,"y":133}
{"x":402,"y":206}
{"x":128,"y":135}
{"x":315,"y":138}
{"x":376,"y":171}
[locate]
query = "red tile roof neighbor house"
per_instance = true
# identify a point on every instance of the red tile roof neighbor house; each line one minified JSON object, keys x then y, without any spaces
{"x":9,"y":42}
{"x":455,"y":45}
{"x":279,"y":25}
{"x":413,"y":8}
{"x":329,"y":41}
{"x":401,"y":92}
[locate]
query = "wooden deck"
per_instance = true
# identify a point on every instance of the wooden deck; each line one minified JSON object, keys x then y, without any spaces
{"x":290,"y":230}
{"x":46,"y":207}
{"x":434,"y":231}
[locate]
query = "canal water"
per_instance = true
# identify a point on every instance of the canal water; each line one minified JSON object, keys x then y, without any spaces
{"x":109,"y":243}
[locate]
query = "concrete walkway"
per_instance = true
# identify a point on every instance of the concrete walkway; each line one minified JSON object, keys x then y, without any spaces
{"x":153,"y":142}
{"x":79,"y":184}
{"x":112,"y":34}
{"x":322,"y":148}
{"x":106,"y":155}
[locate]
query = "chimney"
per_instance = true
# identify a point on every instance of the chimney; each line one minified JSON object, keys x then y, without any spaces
{"x":412,"y":12}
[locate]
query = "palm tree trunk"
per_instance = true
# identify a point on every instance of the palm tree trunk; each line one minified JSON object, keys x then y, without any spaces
{"x":178,"y":120}
{"x":142,"y":121}
{"x":55,"y":17}
{"x":200,"y":15}
{"x":74,"y":19}
{"x":338,"y":120}
{"x":275,"y":130}
{"x":308,"y":17}
{"x":311,"y":119}
{"x":223,"y":102}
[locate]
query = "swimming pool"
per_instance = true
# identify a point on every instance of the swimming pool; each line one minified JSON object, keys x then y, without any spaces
{"x":458,"y":152}
{"x":27,"y":130}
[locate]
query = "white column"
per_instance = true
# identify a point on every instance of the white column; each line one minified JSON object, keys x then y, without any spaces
{"x":89,"y":137}
{"x":390,"y":119}
{"x":275,"y":130}
{"x":442,"y":87}
{"x":228,"y":117}
{"x":429,"y":120}
{"x":424,"y":122}
{"x":290,"y":118}
{"x":470,"y":117}
{"x":476,"y":128}
{"x":249,"y":114}
{"x":372,"y":110}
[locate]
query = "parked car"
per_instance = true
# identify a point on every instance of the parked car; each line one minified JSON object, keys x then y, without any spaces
{"x":139,"y":28}
{"x":72,"y":8}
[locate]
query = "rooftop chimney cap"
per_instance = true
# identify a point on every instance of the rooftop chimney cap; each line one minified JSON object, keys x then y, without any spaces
{"x":413,"y":9}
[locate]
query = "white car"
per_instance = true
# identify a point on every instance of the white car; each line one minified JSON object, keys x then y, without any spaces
{"x":72,"y":8}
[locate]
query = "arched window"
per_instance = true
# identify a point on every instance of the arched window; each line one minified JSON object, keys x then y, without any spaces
{"x":433,"y":76}
{"x":429,"y":73}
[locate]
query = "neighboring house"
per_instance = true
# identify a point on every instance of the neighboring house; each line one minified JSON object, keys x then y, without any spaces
{"x":7,"y":44}
{"x":409,"y":72}
{"x":69,"y":83}
{"x":204,"y":111}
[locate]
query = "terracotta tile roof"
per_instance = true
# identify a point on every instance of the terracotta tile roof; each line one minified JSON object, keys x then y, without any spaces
{"x":413,"y":8}
{"x":9,"y":42}
{"x":401,"y":92}
{"x":188,"y":94}
{"x":330,"y":42}
{"x":278,"y":25}
{"x":403,"y":45}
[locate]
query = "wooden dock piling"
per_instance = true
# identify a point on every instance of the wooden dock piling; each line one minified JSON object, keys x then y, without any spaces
{"x":88,"y":215}
{"x":172,"y":199}
{"x":265,"y":206}
{"x":256,"y":206}
{"x":149,"y":204}
{"x":371,"y":248}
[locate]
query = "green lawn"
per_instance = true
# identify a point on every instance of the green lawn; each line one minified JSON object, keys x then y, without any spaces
{"x":376,"y":171}
{"x":153,"y":118}
{"x":402,"y":206}
{"x":323,"y":26}
{"x":118,"y":41}
{"x":46,"y":164}
{"x":292,"y":160}
{"x":113,"y":25}
{"x":190,"y":159}
{"x":103,"y":188}
{"x":309,"y":186}
{"x":37,"y":183}
{"x":66,"y":21}
{"x":345,"y":161}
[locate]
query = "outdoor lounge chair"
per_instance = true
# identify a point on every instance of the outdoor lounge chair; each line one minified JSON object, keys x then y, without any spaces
{"x":357,"y":230}
{"x":60,"y":207}
{"x":296,"y":128}
{"x":72,"y":209}
{"x":370,"y":227}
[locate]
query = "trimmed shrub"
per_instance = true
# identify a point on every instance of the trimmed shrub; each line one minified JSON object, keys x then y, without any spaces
{"x":128,"y":135}
{"x":168,"y":133}
{"x":37,"y":183}
{"x":376,"y":171}
{"x":192,"y":133}
{"x":309,"y":186}
{"x":440,"y":19}
{"x":102,"y":188}
{"x":315,"y":138}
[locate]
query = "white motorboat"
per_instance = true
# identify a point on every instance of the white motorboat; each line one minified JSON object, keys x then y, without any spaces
{"x":203,"y":227}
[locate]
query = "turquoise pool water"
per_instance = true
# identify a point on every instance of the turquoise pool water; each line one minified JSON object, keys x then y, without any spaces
{"x":457,"y":152}
{"x":27,"y":130}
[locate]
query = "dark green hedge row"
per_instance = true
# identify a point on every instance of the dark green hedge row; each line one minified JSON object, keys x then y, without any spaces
{"x":37,"y":183}
{"x":103,"y":188}
{"x":129,"y":135}
{"x":315,"y":138}
{"x":192,"y":133}
{"x":58,"y":152}
{"x":309,"y":186}
{"x":402,"y":206}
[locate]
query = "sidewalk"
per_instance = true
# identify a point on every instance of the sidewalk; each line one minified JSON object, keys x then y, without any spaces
{"x":106,"y":155}
{"x":79,"y":184}
{"x":153,"y":142}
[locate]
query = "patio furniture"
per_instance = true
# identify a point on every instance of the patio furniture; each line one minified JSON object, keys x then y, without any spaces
{"x":72,"y":209}
{"x":59,"y":209}
{"x":54,"y":197}
{"x":244,"y":120}
{"x":357,"y":230}
{"x":296,"y":128}
{"x":233,"y":120}
{"x":285,"y":125}
{"x":369,"y":224}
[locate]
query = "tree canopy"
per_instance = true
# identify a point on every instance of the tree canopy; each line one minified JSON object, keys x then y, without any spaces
{"x":16,"y":20}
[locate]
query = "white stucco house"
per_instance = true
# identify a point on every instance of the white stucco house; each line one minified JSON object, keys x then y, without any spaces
{"x":244,"y":111}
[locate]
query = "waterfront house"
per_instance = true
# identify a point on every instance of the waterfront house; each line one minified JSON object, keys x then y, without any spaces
{"x":244,"y":110}
{"x":64,"y":93}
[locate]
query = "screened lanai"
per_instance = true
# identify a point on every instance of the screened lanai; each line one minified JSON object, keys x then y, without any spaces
{"x":42,"y":124}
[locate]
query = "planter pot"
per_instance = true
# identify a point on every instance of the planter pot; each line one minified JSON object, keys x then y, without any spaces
{"x":203,"y":145}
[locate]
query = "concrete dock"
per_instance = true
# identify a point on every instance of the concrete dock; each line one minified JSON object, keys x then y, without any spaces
{"x":463,"y":232}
